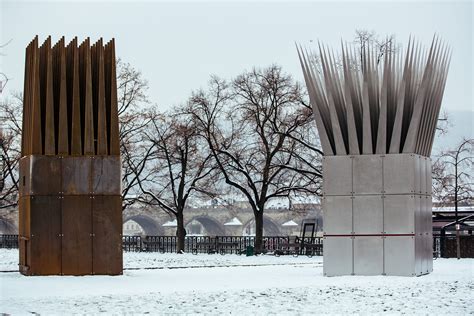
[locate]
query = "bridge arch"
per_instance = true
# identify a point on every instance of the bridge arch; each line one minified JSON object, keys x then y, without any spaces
{"x":150,"y":226}
{"x":270,"y":228}
{"x":212,"y":226}
{"x":7,"y":226}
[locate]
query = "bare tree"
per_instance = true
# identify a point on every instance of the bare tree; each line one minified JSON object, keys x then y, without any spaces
{"x":3,"y":77}
{"x":255,"y":129}
{"x":134,"y":116}
{"x":365,"y":39}
{"x":453,"y":178}
{"x":178,"y":166}
{"x":10,"y":149}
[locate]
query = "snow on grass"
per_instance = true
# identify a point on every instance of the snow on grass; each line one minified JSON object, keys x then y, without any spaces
{"x":271,"y":285}
{"x":140,"y":260}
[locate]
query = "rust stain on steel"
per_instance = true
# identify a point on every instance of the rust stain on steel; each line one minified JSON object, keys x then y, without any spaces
{"x":44,"y":239}
{"x":107,"y":228}
{"x":105,"y":178}
{"x":76,"y":175}
{"x":70,"y":185}
{"x":76,"y":236}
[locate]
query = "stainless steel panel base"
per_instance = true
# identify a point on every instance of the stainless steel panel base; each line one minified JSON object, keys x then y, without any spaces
{"x":338,"y":255}
{"x":383,"y":226}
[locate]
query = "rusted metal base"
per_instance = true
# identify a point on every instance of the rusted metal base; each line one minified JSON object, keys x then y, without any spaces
{"x":70,"y":215}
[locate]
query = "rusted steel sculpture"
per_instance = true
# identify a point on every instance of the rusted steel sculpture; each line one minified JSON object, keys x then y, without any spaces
{"x":70,"y":183}
{"x":376,"y":120}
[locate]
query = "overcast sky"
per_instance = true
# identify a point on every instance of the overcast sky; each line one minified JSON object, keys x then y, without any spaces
{"x":177,"y":45}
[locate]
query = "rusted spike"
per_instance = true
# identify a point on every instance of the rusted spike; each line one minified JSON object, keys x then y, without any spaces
{"x":87,"y":100}
{"x":114,"y":122}
{"x":36,"y":134}
{"x":49,"y":143}
{"x":75,"y":105}
{"x":101,"y":112}
{"x":26,"y":103}
{"x":62,"y":134}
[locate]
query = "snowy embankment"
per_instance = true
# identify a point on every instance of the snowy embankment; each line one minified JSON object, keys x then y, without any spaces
{"x":260,"y":285}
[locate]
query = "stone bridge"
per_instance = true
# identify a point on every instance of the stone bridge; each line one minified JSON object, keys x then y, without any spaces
{"x":223,"y":220}
{"x":8,"y":221}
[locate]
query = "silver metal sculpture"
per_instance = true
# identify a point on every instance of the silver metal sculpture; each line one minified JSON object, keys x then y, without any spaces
{"x":376,"y":121}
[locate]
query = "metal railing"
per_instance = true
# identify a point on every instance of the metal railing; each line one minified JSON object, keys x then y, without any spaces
{"x":443,"y":246}
{"x":446,"y":246}
{"x":9,"y":241}
{"x":200,"y":244}
{"x":203,"y":244}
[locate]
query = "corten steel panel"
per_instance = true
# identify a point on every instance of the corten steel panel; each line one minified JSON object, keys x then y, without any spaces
{"x":24,"y":206}
{"x":106,"y":175}
{"x":368,"y":214}
{"x":399,"y":214}
{"x":339,"y":179}
{"x":399,"y":255}
{"x":337,"y":256}
{"x":368,"y":255}
{"x":76,"y":235}
{"x":24,"y":230}
{"x":337,"y":214}
{"x":398,"y":174}
{"x":45,"y":175}
{"x":45,"y":241}
{"x":40,"y":175}
{"x":76,"y":175}
{"x":25,"y":174}
{"x":107,"y":230}
{"x":367,"y":174}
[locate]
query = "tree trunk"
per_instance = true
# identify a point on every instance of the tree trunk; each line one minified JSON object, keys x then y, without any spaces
{"x":258,"y":232}
{"x":180,"y":232}
{"x":458,"y":246}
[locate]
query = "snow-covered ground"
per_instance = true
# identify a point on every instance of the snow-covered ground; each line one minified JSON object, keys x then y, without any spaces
{"x":238,"y":285}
